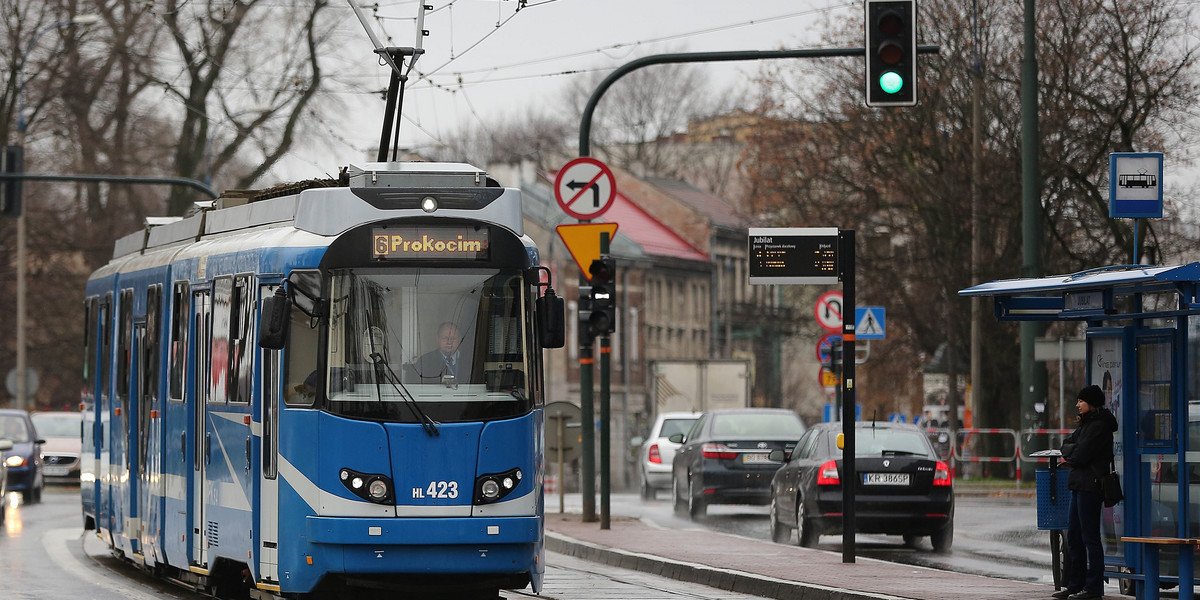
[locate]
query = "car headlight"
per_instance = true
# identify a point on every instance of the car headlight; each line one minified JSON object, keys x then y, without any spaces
{"x":15,"y":461}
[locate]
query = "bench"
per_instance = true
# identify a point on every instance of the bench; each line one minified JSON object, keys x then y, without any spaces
{"x":1150,"y":564}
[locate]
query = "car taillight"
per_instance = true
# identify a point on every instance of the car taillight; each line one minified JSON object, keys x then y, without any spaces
{"x":941,"y":474}
{"x":717,"y":451}
{"x":828,"y":474}
{"x":655,"y":456}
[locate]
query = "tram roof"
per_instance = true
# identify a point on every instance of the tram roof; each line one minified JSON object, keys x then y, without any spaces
{"x":1092,"y":293}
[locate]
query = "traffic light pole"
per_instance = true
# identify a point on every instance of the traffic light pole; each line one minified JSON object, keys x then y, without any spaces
{"x":22,"y":400}
{"x":605,"y":374}
{"x":605,"y":429}
{"x":585,"y":123}
{"x":587,"y":437}
{"x":849,"y":473}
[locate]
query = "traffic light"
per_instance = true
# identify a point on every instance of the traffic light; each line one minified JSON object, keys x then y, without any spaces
{"x":891,"y":40}
{"x":585,"y":315}
{"x":603,"y":317}
{"x":11,"y":161}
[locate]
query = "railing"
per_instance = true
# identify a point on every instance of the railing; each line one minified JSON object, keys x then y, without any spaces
{"x":964,"y":449}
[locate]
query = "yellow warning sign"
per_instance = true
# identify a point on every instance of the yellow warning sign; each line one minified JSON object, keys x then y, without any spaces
{"x":829,"y":379}
{"x":583,"y":242}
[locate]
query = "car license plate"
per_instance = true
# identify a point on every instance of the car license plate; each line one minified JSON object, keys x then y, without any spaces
{"x":55,"y":471}
{"x":885,"y":478}
{"x":755,"y":458}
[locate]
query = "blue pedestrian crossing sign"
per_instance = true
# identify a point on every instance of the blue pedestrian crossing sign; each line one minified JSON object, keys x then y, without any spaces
{"x":869,"y":322}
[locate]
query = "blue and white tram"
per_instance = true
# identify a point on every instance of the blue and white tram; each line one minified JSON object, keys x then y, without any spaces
{"x":331,"y":391}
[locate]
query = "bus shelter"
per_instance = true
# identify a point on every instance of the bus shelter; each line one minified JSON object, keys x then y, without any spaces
{"x":1143,"y":350}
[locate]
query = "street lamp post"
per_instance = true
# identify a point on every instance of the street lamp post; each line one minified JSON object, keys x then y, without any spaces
{"x":22,"y":381}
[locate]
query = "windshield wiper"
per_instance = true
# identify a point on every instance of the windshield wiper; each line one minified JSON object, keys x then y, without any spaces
{"x":899,"y":453}
{"x":383,"y":371}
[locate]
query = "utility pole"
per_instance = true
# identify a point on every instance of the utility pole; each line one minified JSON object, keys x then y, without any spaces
{"x":1033,"y":374}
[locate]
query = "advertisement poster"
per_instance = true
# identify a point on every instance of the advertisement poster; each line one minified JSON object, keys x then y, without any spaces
{"x":1105,"y":371}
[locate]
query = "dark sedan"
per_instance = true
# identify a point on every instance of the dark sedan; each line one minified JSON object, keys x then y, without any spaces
{"x":24,"y":460}
{"x":5,"y":446}
{"x":725,"y":457}
{"x":901,"y":488}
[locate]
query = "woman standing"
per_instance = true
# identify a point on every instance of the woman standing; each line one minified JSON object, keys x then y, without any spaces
{"x":1087,"y":452}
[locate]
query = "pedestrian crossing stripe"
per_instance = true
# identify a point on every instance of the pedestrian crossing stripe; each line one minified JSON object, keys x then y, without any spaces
{"x":869,"y":322}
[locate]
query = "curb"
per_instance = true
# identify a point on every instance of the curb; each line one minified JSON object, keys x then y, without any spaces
{"x":724,"y":579}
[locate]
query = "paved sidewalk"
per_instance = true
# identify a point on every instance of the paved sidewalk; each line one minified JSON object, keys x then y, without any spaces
{"x":766,"y":569}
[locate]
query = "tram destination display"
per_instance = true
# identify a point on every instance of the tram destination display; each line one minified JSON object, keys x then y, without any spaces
{"x":407,"y":242}
{"x":793,"y":255}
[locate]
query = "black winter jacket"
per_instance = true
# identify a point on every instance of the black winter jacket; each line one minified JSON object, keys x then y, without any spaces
{"x":1088,"y":450}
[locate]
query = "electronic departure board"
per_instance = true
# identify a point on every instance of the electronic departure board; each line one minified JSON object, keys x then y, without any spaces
{"x":793,"y":255}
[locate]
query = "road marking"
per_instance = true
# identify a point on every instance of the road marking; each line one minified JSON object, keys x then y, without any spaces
{"x":56,"y":542}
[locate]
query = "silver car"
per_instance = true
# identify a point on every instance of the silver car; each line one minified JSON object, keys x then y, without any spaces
{"x":60,"y":453}
{"x":657,"y":452}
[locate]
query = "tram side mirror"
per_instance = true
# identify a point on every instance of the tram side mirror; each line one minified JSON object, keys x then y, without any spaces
{"x":5,"y":445}
{"x":274,"y":325}
{"x":551,"y":320}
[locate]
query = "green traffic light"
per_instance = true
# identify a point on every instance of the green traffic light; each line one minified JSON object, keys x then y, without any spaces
{"x":891,"y":82}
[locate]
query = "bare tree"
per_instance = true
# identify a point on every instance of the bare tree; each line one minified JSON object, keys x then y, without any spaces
{"x":153,"y":88}
{"x":535,"y":136}
{"x":246,"y":78}
{"x":642,"y":111}
{"x":1115,"y":76}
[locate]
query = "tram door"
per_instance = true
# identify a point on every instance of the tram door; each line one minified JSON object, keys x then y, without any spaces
{"x":150,"y":421}
{"x":268,"y":508}
{"x":202,"y":318}
{"x":135,"y":454}
{"x":120,"y":485}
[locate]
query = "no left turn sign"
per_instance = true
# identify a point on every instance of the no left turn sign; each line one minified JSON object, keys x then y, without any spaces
{"x":585,"y":188}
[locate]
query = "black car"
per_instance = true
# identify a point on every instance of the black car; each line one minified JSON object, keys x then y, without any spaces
{"x":5,"y":446}
{"x":725,"y":457}
{"x":900,"y":488}
{"x":24,"y":460}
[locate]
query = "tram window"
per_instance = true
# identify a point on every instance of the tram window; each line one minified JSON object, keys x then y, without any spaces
{"x":105,"y":339}
{"x":301,"y":375}
{"x":241,"y":351}
{"x":178,"y":342}
{"x":153,"y":327}
{"x":89,"y":346}
{"x":270,"y":404}
{"x":221,"y":351}
{"x":124,"y":333}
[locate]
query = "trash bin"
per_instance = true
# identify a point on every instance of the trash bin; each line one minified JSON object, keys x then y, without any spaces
{"x":1054,"y":511}
{"x":1053,"y":499}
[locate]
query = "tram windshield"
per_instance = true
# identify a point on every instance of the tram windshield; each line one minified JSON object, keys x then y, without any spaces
{"x":408,"y":342}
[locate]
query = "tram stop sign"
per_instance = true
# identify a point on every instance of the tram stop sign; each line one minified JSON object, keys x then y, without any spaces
{"x":31,"y":382}
{"x":563,"y":431}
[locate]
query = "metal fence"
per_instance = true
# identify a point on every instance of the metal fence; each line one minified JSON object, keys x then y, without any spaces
{"x":1004,"y":446}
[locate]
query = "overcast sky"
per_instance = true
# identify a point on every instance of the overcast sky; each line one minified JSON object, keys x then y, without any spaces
{"x":485,"y":60}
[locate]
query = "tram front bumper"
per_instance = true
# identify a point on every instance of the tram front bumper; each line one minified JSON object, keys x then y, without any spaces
{"x":424,"y":531}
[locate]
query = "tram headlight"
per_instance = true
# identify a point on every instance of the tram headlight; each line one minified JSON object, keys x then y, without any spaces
{"x":378,"y":490}
{"x":429,"y":204}
{"x":490,"y":489}
{"x":15,"y":461}
{"x":493,"y":487}
{"x":368,"y":486}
